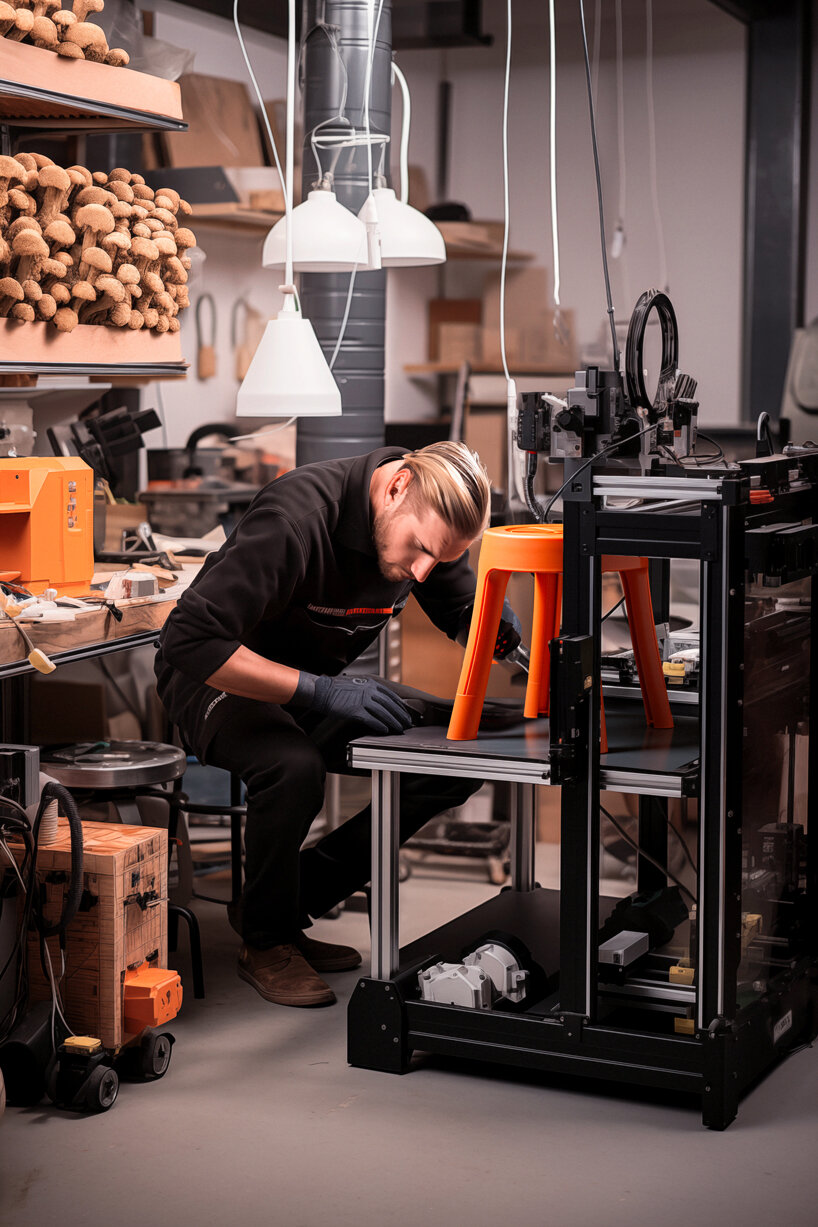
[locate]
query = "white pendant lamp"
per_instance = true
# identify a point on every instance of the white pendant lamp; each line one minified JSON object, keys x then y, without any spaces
{"x":407,"y":237}
{"x":327,"y":238}
{"x":289,"y":375}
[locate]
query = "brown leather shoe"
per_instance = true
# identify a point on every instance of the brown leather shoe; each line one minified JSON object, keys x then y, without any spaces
{"x":324,"y":956}
{"x":282,"y":974}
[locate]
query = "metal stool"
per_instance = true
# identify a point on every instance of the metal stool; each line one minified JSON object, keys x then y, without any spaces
{"x":122,"y":773}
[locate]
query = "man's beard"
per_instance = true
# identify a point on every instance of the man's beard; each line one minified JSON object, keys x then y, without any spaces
{"x":379,"y":533}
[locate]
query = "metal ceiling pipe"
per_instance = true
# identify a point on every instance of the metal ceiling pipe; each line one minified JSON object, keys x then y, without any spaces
{"x":359,"y":367}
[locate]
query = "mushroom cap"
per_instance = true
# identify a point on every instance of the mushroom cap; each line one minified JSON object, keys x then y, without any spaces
{"x":112,"y":287}
{"x":138,"y":211}
{"x":153,"y":282}
{"x":85,"y":34}
{"x":121,"y":189}
{"x":82,"y":171}
{"x":5,"y":251}
{"x":95,"y":217}
{"x":184,"y":207}
{"x":64,"y":258}
{"x":21,"y":201}
{"x":154,"y":224}
{"x":27,"y":160}
{"x":69,"y":51}
{"x":137,"y":320}
{"x":144,"y":249}
{"x":184,"y":238}
{"x":127,"y":274}
{"x":11,"y":168}
{"x":41,"y":160}
{"x":31,"y":289}
{"x":94,"y":194}
{"x":118,"y":57}
{"x":135,"y":178}
{"x":121,"y":313}
{"x":30,"y":243}
{"x":174,"y":271}
{"x":120,"y":209}
{"x":53,"y":268}
{"x":142,"y":192}
{"x":24,"y":20}
{"x":66,"y":319}
{"x":9,"y":288}
{"x":22,"y":311}
{"x":141,"y":231}
{"x":55,"y":176}
{"x":60,"y":293}
{"x":115,"y":242}
{"x":6,"y":12}
{"x":165,"y":244}
{"x":165,"y":216}
{"x":22,"y":223}
{"x":60,"y":232}
{"x":120,"y":173}
{"x":83,"y":290}
{"x":43,"y":30}
{"x":65,"y":18}
{"x":151,"y":317}
{"x":164,"y":302}
{"x":98,"y":259}
{"x":173,"y":325}
{"x":166,"y":198}
{"x":93,"y":6}
{"x":47,"y":307}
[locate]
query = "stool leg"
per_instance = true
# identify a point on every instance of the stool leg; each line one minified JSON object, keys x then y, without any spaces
{"x":474,"y":675}
{"x":546,"y":615}
{"x":636,"y":587}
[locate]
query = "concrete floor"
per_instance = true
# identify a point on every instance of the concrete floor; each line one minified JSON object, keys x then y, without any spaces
{"x":260,"y":1121}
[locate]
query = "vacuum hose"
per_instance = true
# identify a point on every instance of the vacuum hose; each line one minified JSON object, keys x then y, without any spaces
{"x":56,"y":792}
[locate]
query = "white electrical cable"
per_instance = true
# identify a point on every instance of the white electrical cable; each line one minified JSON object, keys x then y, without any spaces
{"x":264,"y":114}
{"x":506,"y":208}
{"x":406,"y":119}
{"x":370,"y":61}
{"x":262,"y":434}
{"x":597,"y":48}
{"x":619,"y":240}
{"x":343,"y":328}
{"x":654,"y":175}
{"x":288,"y":190}
{"x":555,"y":238}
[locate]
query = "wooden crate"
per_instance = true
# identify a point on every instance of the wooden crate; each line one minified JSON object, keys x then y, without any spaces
{"x":122,"y":920}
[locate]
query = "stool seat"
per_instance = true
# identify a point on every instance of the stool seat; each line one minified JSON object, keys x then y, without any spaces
{"x":114,"y":764}
{"x":538,"y":549}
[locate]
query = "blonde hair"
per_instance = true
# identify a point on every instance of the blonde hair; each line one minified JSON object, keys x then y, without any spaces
{"x":450,"y":479}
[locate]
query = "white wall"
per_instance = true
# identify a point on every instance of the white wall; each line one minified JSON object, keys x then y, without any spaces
{"x":699,"y":80}
{"x":699,"y":86}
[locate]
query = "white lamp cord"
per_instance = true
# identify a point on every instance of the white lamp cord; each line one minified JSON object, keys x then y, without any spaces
{"x":265,"y":117}
{"x":555,"y":238}
{"x":654,"y":176}
{"x":406,"y":119}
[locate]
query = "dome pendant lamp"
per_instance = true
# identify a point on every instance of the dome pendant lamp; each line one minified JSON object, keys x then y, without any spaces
{"x":289,"y":375}
{"x":326,"y":237}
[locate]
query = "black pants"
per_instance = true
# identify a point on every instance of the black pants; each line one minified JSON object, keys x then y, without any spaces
{"x":283,"y":760}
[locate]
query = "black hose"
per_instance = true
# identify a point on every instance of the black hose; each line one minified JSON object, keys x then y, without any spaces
{"x":56,"y":792}
{"x":658,"y":301}
{"x":530,"y":497}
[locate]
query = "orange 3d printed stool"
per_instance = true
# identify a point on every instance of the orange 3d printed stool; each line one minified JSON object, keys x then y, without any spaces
{"x":537,"y":549}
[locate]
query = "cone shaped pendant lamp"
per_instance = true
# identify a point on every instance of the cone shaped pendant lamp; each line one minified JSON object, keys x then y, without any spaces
{"x":289,"y":375}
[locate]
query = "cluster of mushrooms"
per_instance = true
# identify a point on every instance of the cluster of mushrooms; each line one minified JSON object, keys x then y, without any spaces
{"x":69,"y":32}
{"x":83,"y":248}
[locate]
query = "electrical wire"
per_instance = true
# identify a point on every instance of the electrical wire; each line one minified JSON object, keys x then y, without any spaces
{"x":600,"y":205}
{"x":264,"y":115}
{"x":619,"y":242}
{"x":506,"y":206}
{"x":613,"y":609}
{"x":646,"y":856}
{"x":343,"y":328}
{"x":654,"y":174}
{"x":597,"y":47}
{"x":262,"y":434}
{"x":555,"y":238}
{"x":405,"y":124}
{"x":370,"y":63}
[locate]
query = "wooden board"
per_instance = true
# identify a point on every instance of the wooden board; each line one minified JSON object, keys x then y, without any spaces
{"x":121,"y":923}
{"x":38,"y":342}
{"x":25,"y":64}
{"x":89,"y":629}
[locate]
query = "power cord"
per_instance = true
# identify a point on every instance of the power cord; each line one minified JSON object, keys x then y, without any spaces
{"x":646,"y":855}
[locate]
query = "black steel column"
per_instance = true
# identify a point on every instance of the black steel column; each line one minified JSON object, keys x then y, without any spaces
{"x":359,"y":367}
{"x":778,"y":90}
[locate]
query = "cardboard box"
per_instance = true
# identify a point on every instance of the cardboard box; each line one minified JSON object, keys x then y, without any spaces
{"x":450,"y":311}
{"x":545,"y":344}
{"x":122,"y":921}
{"x":459,"y":343}
{"x":490,"y":350}
{"x":486,"y":432}
{"x":528,"y":293}
{"x":222,"y":125}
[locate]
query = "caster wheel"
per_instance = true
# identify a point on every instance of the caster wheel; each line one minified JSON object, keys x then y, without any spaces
{"x":154,"y":1055}
{"x":101,"y":1089}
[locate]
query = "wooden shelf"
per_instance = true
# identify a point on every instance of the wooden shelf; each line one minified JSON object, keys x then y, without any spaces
{"x":477,"y":241}
{"x":39,"y":89}
{"x":233,"y":217}
{"x":420,"y":369}
{"x":91,"y":349}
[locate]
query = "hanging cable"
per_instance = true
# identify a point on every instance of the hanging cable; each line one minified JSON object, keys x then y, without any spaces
{"x":555,"y":238}
{"x":597,"y":47}
{"x":647,"y":857}
{"x":264,"y":115}
{"x":599,"y":188}
{"x":370,"y":61}
{"x":406,"y":119}
{"x":612,"y":447}
{"x":343,"y":328}
{"x":506,"y":207}
{"x":654,"y":174}
{"x":620,"y":238}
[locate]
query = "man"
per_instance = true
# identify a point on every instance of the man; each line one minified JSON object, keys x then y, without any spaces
{"x":251,"y":664}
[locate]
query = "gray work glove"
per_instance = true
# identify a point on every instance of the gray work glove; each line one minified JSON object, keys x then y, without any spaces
{"x":363,"y":699}
{"x":509,"y":632}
